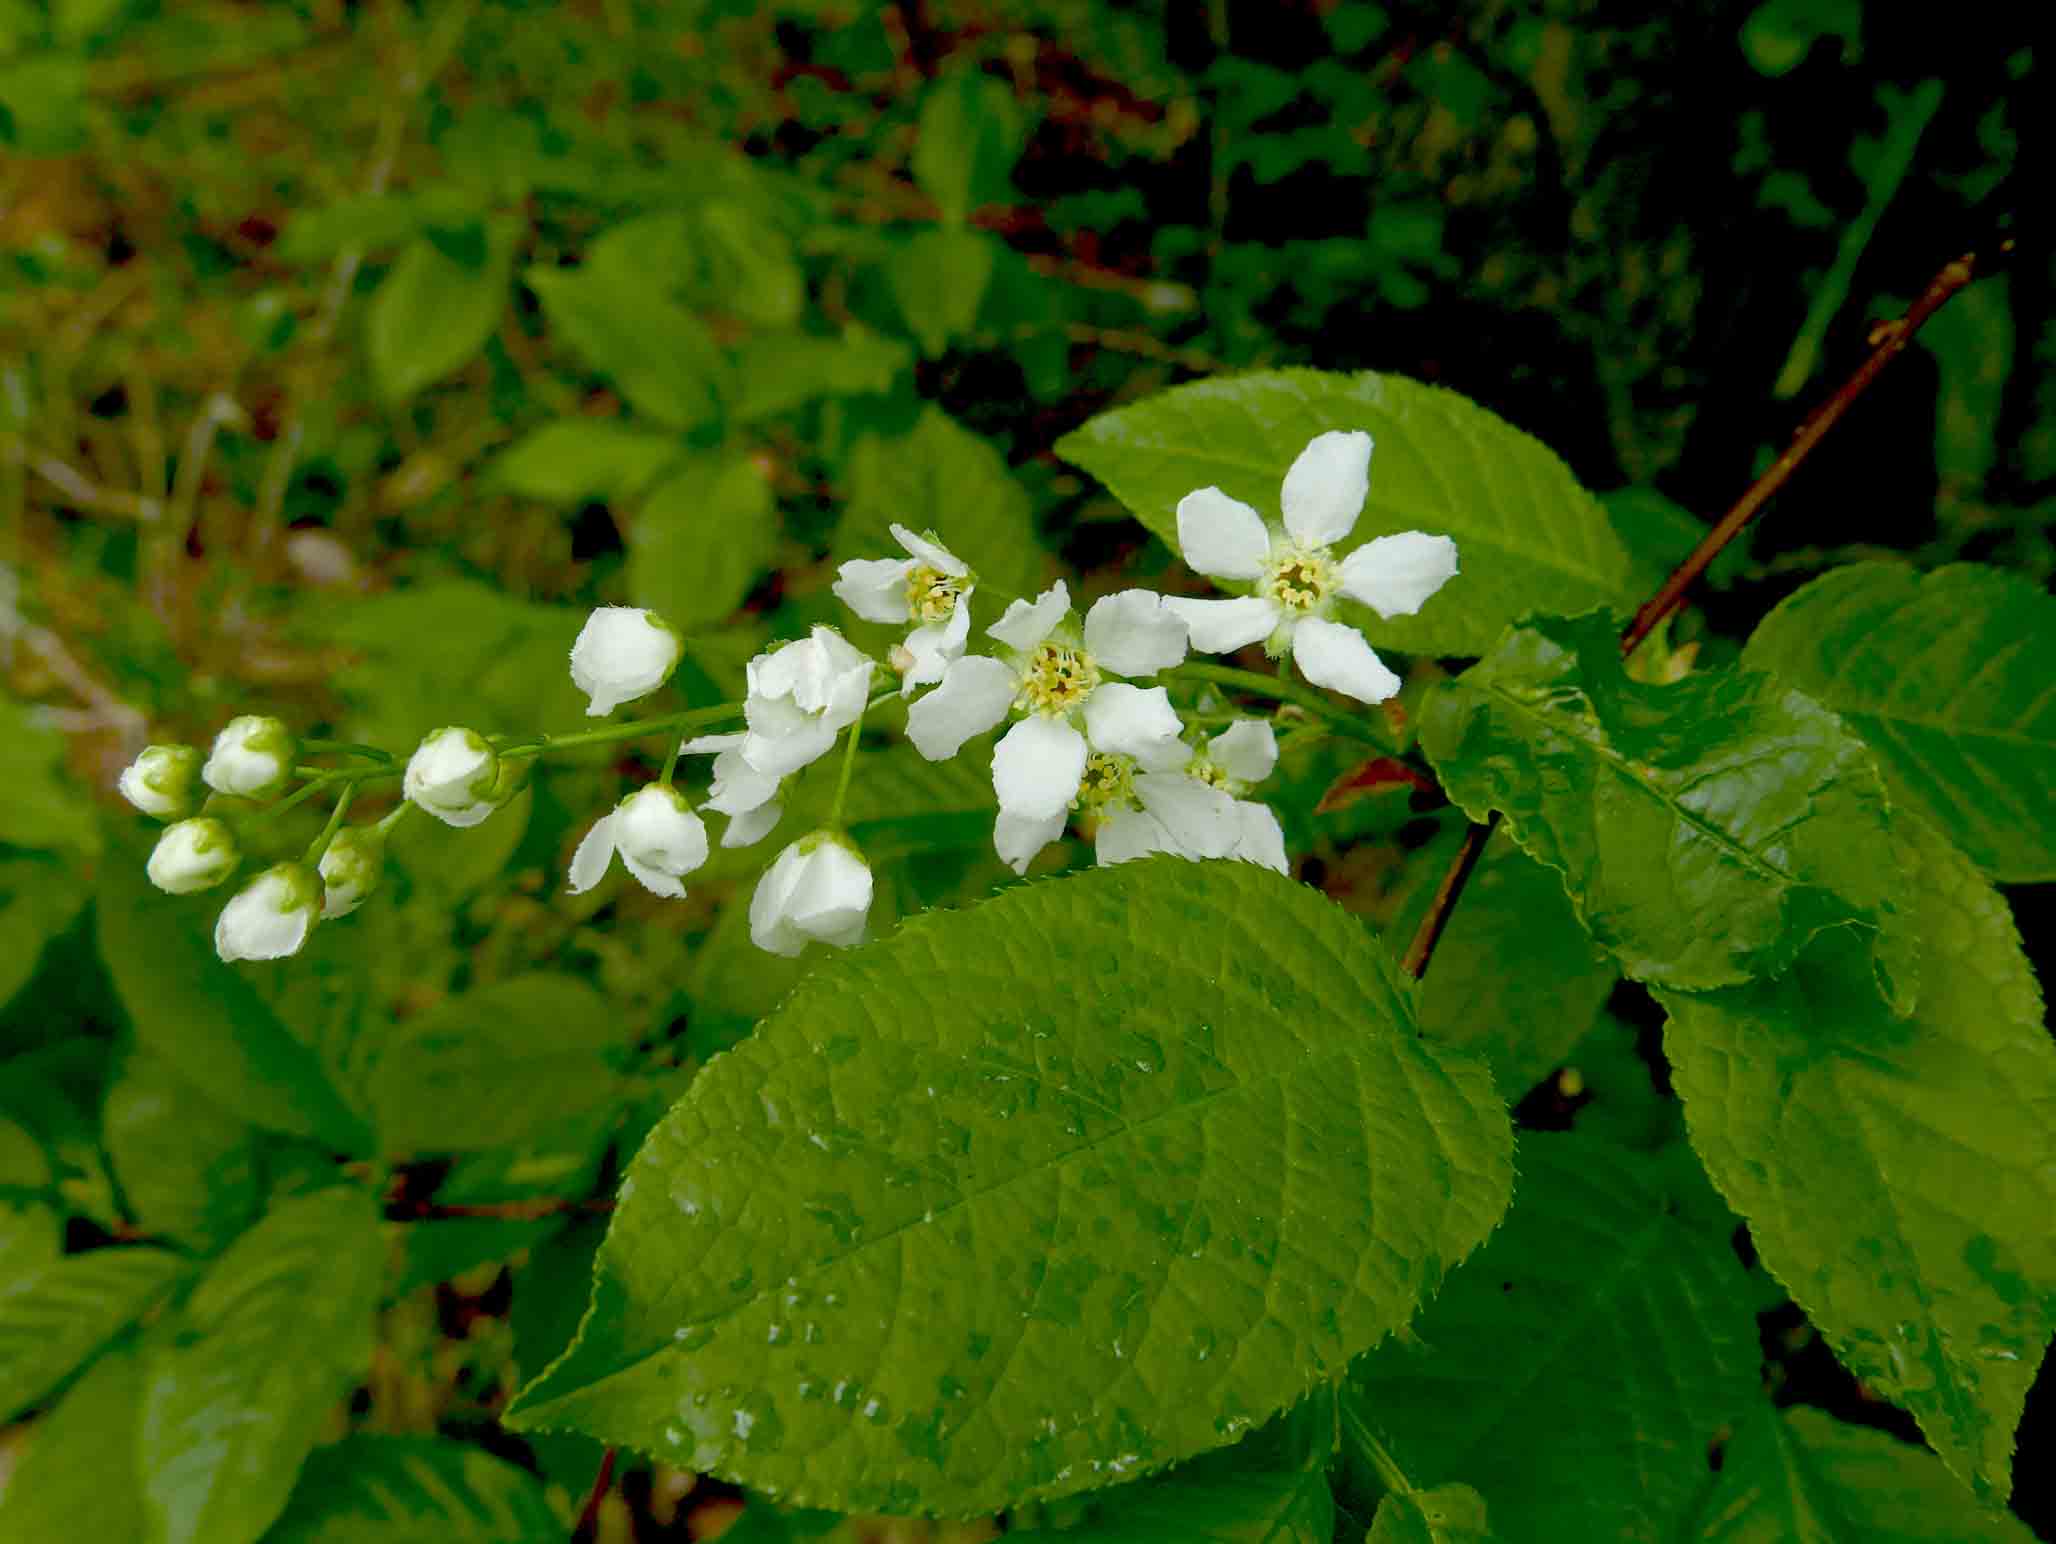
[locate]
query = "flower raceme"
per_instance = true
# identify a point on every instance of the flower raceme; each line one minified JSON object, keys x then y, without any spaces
{"x":1295,"y":575}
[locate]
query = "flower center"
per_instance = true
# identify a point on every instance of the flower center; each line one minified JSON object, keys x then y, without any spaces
{"x":1109,"y":782}
{"x":1058,"y":679}
{"x":1204,"y":771}
{"x":931,"y":593}
{"x":1301,"y":579}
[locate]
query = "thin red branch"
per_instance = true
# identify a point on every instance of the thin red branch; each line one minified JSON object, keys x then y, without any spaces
{"x":588,"y":1525}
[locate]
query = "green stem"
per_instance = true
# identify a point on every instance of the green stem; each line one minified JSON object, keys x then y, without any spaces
{"x":692,"y":718}
{"x":319,"y":780}
{"x":393,"y":817}
{"x":345,"y":748}
{"x":671,"y":759}
{"x":849,"y":764}
{"x":1340,"y":720}
{"x":319,"y":845}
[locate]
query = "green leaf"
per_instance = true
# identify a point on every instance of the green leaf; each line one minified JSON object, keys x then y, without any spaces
{"x":45,"y":809}
{"x":277,"y":1330}
{"x":206,"y":1020}
{"x":1528,"y":536}
{"x":657,"y":353}
{"x":1270,"y":1488}
{"x":1799,"y":1477}
{"x":577,"y":458}
{"x":433,"y":312}
{"x":1705,"y":830}
{"x":938,"y":277}
{"x":1517,"y":978}
{"x":40,"y":894}
{"x":779,"y":371}
{"x":1946,"y":677}
{"x":187,"y":1167}
{"x":944,"y":478}
{"x":1576,"y":1371}
{"x":1034,"y":1196}
{"x":718,"y":255}
{"x":1448,"y":1514}
{"x":701,"y":539}
{"x":969,"y":135}
{"x":78,"y":1478}
{"x":493,"y":1066}
{"x":1895,"y":1171}
{"x":414,"y":1490}
{"x":53,"y":1320}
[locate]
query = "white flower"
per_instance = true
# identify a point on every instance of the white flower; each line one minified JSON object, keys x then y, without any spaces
{"x":1296,"y":575}
{"x":454,"y":776}
{"x":351,"y":869}
{"x":1069,"y":701}
{"x":819,"y":888}
{"x":160,"y":781}
{"x":251,"y":758}
{"x":748,"y":798}
{"x":930,"y":587}
{"x":659,"y":838}
{"x":1196,"y":812}
{"x":801,"y":695}
{"x":622,"y":653}
{"x":269,"y":918}
{"x":192,"y":855}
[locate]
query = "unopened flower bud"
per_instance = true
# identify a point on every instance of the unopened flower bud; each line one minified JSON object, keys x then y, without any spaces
{"x":454,"y":776}
{"x":160,"y":781}
{"x":351,"y":869}
{"x":251,"y":758}
{"x":269,"y":918}
{"x":622,"y":653}
{"x":818,"y":889}
{"x":192,"y":855}
{"x":658,"y":836}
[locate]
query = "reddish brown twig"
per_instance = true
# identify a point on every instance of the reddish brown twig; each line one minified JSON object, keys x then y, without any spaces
{"x":1888,"y":341}
{"x":588,"y":1524}
{"x":527,"y":1209}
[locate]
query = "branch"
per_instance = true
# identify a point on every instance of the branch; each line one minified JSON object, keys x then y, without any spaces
{"x":1888,"y":340}
{"x":527,"y":1209}
{"x":587,"y":1526}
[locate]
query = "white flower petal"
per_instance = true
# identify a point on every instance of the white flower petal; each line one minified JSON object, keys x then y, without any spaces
{"x":933,"y":553}
{"x":1134,"y":633}
{"x":1325,"y":488}
{"x":622,"y":653}
{"x":1201,"y":820}
{"x":787,"y":744}
{"x":658,"y":832}
{"x":1125,"y":834}
{"x":1133,"y":721}
{"x":270,"y":917}
{"x":1024,"y":626}
{"x":1393,"y":575}
{"x":1018,"y":838}
{"x":1037,"y":765}
{"x":934,"y":646}
{"x":1223,"y":626}
{"x":595,"y":852}
{"x":833,"y":896}
{"x":739,"y":787}
{"x":874,"y":588}
{"x":748,"y":827}
{"x":1221,"y":537}
{"x":1262,"y":841}
{"x":1334,"y":656}
{"x":974,"y":695}
{"x":711,"y":744}
{"x":1246,"y":750}
{"x":654,"y":879}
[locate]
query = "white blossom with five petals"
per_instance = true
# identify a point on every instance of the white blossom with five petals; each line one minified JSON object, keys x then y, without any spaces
{"x":1070,"y":703}
{"x":801,"y":695}
{"x":1198,"y":811}
{"x":930,"y":587}
{"x":1296,"y":576}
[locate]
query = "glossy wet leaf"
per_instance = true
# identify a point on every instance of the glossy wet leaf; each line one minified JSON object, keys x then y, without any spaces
{"x":236,"y":1394}
{"x":1946,"y":677}
{"x":1528,"y":536}
{"x":205,"y":1019}
{"x":414,"y":1490}
{"x":1448,"y":1514}
{"x":77,"y":1479}
{"x":54,"y":1318}
{"x":1800,"y":1477}
{"x":1270,"y":1488}
{"x":1896,"y":1173}
{"x":1705,"y":830}
{"x":1516,"y":977}
{"x":188,"y":1169}
{"x":1035,"y":1196}
{"x":1576,"y":1370}
{"x":701,"y":540}
{"x":433,"y":311}
{"x":494,"y":1066}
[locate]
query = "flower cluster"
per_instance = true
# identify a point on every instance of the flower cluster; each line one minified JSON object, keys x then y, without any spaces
{"x":1091,"y":733}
